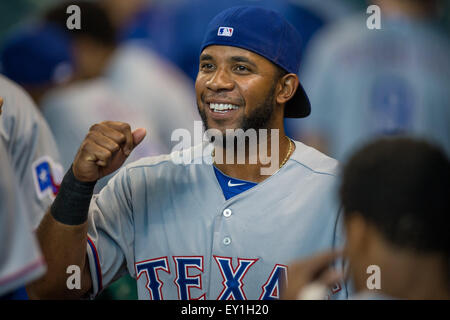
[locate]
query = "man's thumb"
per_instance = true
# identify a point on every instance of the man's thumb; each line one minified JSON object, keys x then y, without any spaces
{"x":138,"y":135}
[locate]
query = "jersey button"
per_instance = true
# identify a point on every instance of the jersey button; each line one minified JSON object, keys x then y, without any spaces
{"x":226,"y":241}
{"x":227,"y":213}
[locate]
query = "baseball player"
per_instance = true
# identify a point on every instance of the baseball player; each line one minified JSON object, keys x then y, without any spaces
{"x":30,"y":180}
{"x":201,"y":229}
{"x":31,"y":149}
{"x":21,"y":261}
{"x":131,"y":78}
{"x":366,"y":83}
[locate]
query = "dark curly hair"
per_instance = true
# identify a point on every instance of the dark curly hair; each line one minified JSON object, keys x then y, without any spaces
{"x":401,"y":186}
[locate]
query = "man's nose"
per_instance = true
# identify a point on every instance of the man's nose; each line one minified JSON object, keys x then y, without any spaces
{"x":220,"y":80}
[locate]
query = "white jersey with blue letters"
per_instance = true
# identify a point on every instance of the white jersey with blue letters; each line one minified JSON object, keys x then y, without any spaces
{"x":171,"y":228}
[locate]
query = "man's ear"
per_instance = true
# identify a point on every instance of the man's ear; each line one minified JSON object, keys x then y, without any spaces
{"x":287,"y":86}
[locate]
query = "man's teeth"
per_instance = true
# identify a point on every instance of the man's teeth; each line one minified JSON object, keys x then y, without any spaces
{"x":222,"y":107}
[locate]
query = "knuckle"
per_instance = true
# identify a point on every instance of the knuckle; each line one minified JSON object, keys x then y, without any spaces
{"x":91,"y":135}
{"x":125,"y":126}
{"x":107,"y":154}
{"x":121,"y":137}
{"x":115,"y":147}
{"x":106,"y":123}
{"x":94,"y":127}
{"x":85,"y":144}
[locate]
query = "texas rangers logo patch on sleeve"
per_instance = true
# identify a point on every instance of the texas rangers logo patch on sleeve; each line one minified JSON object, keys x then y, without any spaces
{"x":225,"y":32}
{"x":47,"y":177}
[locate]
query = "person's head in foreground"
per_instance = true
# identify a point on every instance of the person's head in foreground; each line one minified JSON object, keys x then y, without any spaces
{"x":395,"y":194}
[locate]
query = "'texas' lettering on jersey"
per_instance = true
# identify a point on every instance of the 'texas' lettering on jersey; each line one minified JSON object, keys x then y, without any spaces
{"x":185,"y":279}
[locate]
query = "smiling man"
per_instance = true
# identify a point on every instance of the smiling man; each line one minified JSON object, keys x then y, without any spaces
{"x":227,"y":81}
{"x":202,"y":230}
{"x":248,"y":80}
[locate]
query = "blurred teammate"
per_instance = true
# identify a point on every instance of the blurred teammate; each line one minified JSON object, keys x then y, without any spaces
{"x":395,"y":195}
{"x":117,"y":81}
{"x":38,"y":57}
{"x":31,"y":149}
{"x":181,"y":47}
{"x":366,"y":83}
{"x":21,"y":260}
{"x":30,"y":177}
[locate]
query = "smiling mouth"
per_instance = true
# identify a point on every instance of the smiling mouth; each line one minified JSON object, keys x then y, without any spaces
{"x":222,"y":107}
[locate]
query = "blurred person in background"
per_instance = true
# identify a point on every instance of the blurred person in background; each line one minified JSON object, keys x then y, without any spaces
{"x":14,"y":13}
{"x":31,"y":148}
{"x":38,"y":57}
{"x":30,"y":179}
{"x":330,"y":10}
{"x":142,"y":74}
{"x":33,"y":55}
{"x":163,"y":25}
{"x":123,"y":13}
{"x":127,"y":84}
{"x":366,"y":82}
{"x":395,"y":194}
{"x":21,"y":260}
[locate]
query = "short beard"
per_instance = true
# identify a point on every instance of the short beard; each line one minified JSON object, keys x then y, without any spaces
{"x":258,"y":119}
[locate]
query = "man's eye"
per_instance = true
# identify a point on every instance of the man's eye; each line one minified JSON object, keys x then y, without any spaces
{"x":241,"y":68}
{"x":206,"y":66}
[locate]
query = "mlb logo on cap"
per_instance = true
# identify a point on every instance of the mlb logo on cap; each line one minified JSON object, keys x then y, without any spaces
{"x":225,"y":31}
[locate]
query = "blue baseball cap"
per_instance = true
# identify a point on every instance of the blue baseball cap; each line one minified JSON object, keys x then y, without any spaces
{"x":266,"y":33}
{"x":37,"y":54}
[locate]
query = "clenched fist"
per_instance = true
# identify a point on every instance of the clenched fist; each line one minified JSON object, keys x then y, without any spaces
{"x":105,"y":149}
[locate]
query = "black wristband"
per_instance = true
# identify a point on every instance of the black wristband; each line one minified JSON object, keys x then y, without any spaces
{"x":71,"y":205}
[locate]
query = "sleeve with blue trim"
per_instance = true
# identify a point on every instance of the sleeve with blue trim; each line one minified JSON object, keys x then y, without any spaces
{"x":111,"y":233}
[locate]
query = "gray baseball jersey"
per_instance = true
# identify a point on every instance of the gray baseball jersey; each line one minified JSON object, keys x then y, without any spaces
{"x":21,"y":260}
{"x":32,"y":150}
{"x":171,"y":228}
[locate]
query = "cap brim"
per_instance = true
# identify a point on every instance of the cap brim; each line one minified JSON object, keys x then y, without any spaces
{"x":299,"y":106}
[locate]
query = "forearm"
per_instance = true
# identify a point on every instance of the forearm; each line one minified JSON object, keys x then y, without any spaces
{"x":62,"y":236}
{"x":62,"y":245}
